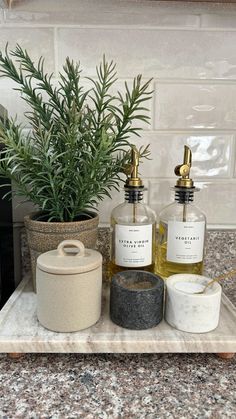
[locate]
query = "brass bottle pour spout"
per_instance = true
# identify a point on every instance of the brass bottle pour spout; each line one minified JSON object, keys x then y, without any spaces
{"x":133,"y":184}
{"x":133,"y":180}
{"x":184,"y":184}
{"x":183,"y":170}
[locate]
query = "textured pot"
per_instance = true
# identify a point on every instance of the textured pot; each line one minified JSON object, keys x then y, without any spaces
{"x":44,"y":236}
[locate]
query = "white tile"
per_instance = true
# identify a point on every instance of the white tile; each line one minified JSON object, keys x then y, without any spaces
{"x":219,"y":21}
{"x":37,"y":42}
{"x":107,"y":205}
{"x":212,"y":154}
{"x":184,"y":106}
{"x":215,"y":199}
{"x":191,"y":54}
{"x":1,"y":16}
{"x":107,"y":12}
{"x":12,"y":100}
{"x":160,"y":194}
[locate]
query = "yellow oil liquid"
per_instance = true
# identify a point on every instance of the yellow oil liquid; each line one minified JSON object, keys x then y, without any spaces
{"x":163,"y":267}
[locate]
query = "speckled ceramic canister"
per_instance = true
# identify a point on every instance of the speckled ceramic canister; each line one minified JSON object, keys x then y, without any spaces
{"x":69,"y":287}
{"x":43,"y":236}
{"x":188,"y":310}
{"x":136,"y":299}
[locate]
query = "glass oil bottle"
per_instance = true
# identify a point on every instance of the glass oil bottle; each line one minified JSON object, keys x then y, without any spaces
{"x":133,"y":227}
{"x":180,"y":243}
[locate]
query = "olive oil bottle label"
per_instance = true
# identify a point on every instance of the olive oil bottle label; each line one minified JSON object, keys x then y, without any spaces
{"x":133,"y":245}
{"x":185,"y":241}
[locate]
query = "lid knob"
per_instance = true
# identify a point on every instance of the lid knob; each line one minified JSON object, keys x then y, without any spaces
{"x":71,"y":243}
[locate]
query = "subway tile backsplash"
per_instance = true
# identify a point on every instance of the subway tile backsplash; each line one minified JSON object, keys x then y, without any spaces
{"x":214,"y":198}
{"x":191,"y":106}
{"x":215,"y":20}
{"x":154,"y":53}
{"x":143,"y":13}
{"x":189,"y":51}
{"x":37,"y":41}
{"x":211,"y":154}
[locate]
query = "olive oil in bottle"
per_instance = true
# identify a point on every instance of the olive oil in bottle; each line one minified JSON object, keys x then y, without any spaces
{"x":180,"y":244}
{"x":133,"y":227}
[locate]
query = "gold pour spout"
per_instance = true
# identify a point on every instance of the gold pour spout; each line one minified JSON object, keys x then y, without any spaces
{"x":134,"y":179}
{"x":183,"y":170}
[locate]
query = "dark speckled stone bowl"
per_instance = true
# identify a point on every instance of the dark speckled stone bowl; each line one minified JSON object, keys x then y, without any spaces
{"x":136,"y":300}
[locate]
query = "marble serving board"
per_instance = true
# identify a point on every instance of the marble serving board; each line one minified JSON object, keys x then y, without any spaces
{"x":20,"y":331}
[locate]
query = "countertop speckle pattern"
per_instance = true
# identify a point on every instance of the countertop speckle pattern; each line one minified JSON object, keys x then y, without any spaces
{"x":126,"y":386}
{"x":118,"y":386}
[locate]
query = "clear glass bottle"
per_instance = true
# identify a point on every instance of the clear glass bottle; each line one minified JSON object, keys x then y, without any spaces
{"x":181,"y":238}
{"x":133,"y":228}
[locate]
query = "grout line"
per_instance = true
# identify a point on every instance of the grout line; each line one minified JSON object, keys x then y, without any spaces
{"x":121,"y":27}
{"x":55,"y":44}
{"x":210,"y":226}
{"x":164,"y":80}
{"x":2,"y":17}
{"x":152,"y":110}
{"x":233,"y":158}
{"x":201,"y":20}
{"x":198,"y":16}
{"x":219,"y":81}
{"x":191,"y":131}
{"x":205,"y":179}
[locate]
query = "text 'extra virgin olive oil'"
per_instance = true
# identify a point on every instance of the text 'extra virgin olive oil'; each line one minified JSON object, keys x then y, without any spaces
{"x":182,"y":226}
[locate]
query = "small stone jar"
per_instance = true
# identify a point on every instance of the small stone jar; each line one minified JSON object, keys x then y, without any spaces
{"x":136,"y":299}
{"x":187,"y":308}
{"x":69,"y":287}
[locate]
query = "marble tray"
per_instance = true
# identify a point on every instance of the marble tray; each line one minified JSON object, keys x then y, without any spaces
{"x":20,"y":331}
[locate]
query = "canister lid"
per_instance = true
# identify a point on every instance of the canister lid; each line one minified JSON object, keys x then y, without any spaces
{"x":70,"y":257}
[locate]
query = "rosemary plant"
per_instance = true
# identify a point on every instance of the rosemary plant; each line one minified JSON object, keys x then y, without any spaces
{"x":76,"y":148}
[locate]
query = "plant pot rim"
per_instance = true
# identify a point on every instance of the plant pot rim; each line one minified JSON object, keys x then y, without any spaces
{"x":29,"y":218}
{"x":63,"y":227}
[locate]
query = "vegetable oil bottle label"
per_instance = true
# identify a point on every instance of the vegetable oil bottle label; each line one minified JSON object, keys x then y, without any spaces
{"x":133,"y":245}
{"x":185,"y":241}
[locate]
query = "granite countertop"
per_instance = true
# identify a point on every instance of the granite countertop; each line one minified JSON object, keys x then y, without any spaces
{"x":128,"y":385}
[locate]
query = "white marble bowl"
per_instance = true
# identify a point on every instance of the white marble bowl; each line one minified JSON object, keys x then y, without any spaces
{"x":190,"y":312}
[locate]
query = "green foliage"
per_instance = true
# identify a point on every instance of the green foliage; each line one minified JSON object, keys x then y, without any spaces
{"x":76,"y":148}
